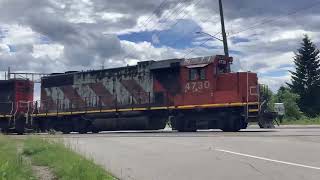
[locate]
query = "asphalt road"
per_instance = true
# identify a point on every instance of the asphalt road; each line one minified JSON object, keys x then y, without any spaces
{"x":287,"y":153}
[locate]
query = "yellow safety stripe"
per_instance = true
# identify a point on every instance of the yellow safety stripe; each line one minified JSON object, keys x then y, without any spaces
{"x":151,"y":108}
{"x":5,"y":116}
{"x":253,"y":110}
{"x":158,"y":108}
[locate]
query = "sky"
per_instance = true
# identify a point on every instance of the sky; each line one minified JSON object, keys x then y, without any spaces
{"x":51,"y":36}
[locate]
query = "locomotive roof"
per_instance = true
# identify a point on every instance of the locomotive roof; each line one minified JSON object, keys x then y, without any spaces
{"x":14,"y":80}
{"x":153,"y":65}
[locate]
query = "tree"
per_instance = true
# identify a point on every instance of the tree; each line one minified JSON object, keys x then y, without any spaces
{"x":306,"y":78}
{"x":289,"y":99}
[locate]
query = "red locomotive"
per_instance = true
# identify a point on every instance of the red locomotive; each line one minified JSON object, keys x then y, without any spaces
{"x":199,"y":93}
{"x":15,"y":97}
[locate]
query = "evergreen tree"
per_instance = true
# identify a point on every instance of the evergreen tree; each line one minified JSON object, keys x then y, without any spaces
{"x":306,"y":78}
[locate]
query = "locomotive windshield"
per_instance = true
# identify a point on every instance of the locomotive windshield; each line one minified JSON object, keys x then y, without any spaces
{"x":197,"y":74}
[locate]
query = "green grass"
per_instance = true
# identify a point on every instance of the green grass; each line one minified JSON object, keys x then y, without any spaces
{"x":302,"y":121}
{"x":12,"y":166}
{"x":66,"y":164}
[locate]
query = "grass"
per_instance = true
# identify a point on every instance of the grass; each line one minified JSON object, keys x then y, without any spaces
{"x":12,"y":166}
{"x":66,"y":164}
{"x":302,"y":121}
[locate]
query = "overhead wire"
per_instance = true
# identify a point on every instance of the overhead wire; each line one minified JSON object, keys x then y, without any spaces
{"x":267,"y":21}
{"x":179,"y":20}
{"x":175,"y":14}
{"x":193,"y":49}
{"x":161,"y":5}
{"x":193,"y":31}
{"x":158,"y":8}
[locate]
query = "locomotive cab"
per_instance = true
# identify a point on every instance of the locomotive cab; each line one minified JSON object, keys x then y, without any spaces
{"x":16,"y":97}
{"x":212,"y":97}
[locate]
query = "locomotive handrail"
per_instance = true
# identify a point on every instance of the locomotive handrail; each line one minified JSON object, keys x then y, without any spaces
{"x":35,"y":106}
{"x":12,"y":107}
{"x":84,"y":104}
{"x":15,"y":113}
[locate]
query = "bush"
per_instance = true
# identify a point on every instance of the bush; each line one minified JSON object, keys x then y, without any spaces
{"x":289,"y":99}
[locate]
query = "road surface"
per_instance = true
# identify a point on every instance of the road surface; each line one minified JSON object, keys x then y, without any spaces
{"x":253,"y":154}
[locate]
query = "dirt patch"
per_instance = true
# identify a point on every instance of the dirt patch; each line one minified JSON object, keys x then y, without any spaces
{"x":43,"y":173}
{"x":40,"y":172}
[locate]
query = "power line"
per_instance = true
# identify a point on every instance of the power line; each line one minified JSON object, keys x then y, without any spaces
{"x":193,"y":49}
{"x":267,"y":21}
{"x":194,"y":30}
{"x":161,"y":5}
{"x":158,"y":8}
{"x":173,"y":12}
{"x":179,"y":20}
{"x":207,"y":40}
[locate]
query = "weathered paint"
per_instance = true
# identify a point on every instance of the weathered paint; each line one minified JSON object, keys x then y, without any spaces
{"x":163,"y":83}
{"x":107,"y":88}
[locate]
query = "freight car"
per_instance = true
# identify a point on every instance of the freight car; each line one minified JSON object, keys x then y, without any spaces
{"x":198,"y":93}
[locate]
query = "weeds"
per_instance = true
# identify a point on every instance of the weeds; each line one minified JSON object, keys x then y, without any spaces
{"x":302,"y":121}
{"x":12,"y":166}
{"x":65,"y":163}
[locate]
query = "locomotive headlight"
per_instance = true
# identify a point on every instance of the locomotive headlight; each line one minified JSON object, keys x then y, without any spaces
{"x":222,"y":61}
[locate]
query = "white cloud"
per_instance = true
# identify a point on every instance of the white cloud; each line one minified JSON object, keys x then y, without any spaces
{"x":17,"y":34}
{"x":74,"y":31}
{"x":287,"y":35}
{"x":4,"y":49}
{"x":274,"y":82}
{"x":53,"y":51}
{"x":111,"y":16}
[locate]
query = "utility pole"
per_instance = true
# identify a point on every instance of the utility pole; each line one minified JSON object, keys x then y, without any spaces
{"x":224,"y":35}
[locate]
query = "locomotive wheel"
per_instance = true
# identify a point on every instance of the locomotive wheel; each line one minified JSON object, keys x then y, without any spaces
{"x":83,"y":127}
{"x":191,"y":126}
{"x":94,"y":129}
{"x":66,"y":130}
{"x":186,"y":125}
{"x":20,"y":124}
{"x":66,"y":125}
{"x":83,"y":131}
{"x":232,"y":124}
{"x":4,"y":130}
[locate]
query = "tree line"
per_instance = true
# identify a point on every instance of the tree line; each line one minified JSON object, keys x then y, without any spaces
{"x":301,"y":96}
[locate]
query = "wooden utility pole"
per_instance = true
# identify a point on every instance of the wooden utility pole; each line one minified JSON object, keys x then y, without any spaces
{"x":224,"y":35}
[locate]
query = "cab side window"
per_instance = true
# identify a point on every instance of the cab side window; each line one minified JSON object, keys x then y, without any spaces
{"x":197,"y":74}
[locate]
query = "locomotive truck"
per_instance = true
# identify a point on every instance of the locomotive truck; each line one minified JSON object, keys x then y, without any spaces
{"x":192,"y":94}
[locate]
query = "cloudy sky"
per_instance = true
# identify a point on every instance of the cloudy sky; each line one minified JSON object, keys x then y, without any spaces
{"x":61,"y":35}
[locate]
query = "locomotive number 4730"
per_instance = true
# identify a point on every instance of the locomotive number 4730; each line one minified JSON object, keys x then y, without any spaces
{"x":196,"y":86}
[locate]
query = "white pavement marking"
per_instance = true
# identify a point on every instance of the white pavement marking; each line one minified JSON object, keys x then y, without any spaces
{"x":271,"y":160}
